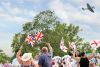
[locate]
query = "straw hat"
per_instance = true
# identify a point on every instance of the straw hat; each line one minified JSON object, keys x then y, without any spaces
{"x":26,"y":56}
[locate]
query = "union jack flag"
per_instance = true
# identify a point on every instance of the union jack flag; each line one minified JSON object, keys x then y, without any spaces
{"x":39,"y":36}
{"x":30,"y":39}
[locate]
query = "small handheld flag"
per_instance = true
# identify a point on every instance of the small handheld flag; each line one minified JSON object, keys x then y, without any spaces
{"x":95,"y":44}
{"x":36,"y":38}
{"x":62,"y":46}
{"x":30,"y":40}
{"x":39,"y":36}
{"x":72,"y":45}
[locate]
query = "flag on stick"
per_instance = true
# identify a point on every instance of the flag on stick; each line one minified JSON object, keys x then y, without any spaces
{"x":62,"y":46}
{"x":95,"y":44}
{"x":72,"y":45}
{"x":30,"y":40}
{"x":39,"y":36}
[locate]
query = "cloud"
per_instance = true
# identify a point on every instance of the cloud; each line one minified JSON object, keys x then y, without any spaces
{"x":71,"y":11}
{"x":59,"y":8}
{"x":67,"y":11}
{"x":33,"y":1}
{"x":88,"y":33}
{"x":96,"y":4}
{"x":86,"y":19}
{"x":5,"y":41}
{"x":19,"y":15}
{"x":5,"y":18}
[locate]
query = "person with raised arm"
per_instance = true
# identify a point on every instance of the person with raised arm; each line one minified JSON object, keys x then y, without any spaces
{"x":26,"y":59}
{"x":45,"y":60}
{"x":83,"y":59}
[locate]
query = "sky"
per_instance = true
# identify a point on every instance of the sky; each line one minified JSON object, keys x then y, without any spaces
{"x":15,"y":13}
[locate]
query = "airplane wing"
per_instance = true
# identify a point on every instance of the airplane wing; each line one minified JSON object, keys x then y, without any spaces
{"x":90,"y":8}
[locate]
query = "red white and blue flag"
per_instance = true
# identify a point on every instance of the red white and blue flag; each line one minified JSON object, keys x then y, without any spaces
{"x":39,"y":36}
{"x":30,"y":39}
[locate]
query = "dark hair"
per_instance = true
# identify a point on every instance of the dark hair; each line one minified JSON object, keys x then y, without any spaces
{"x":70,"y":53}
{"x":61,"y":65}
{"x":82,"y":54}
{"x":78,"y":51}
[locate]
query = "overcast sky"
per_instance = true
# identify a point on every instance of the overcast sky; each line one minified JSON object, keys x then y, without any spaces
{"x":14,"y":13}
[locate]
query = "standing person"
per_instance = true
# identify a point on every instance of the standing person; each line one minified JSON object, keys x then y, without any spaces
{"x":26,"y":60}
{"x":45,"y":60}
{"x":83,"y":59}
{"x":98,"y":60}
{"x":77,"y":54}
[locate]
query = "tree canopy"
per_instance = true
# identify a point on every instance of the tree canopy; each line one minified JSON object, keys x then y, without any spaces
{"x":53,"y":30}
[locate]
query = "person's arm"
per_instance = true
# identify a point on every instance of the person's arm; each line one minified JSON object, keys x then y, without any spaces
{"x":50,"y":49}
{"x":49,"y":46}
{"x":18,"y":55}
{"x":92,"y":55}
{"x":34,"y":63}
{"x":40,"y":65}
{"x":76,"y":58}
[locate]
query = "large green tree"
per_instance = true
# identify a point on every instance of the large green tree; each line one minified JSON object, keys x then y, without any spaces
{"x":53,"y":30}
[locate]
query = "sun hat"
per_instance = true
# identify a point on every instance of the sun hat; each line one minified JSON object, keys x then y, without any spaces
{"x":26,"y":56}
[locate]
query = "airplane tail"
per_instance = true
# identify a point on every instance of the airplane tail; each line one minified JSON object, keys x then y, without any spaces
{"x":83,"y":9}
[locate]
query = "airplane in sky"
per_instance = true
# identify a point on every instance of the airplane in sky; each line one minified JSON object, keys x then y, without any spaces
{"x":89,"y":7}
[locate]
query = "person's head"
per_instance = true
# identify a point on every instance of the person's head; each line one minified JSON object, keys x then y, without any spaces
{"x":44,"y":50}
{"x":70,"y":53}
{"x":83,"y":54}
{"x":27,"y":56}
{"x":77,"y":53}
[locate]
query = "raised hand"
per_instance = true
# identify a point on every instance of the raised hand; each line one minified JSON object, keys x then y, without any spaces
{"x":48,"y":44}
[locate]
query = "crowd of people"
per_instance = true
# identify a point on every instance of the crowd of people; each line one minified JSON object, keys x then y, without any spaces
{"x":46,"y":59}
